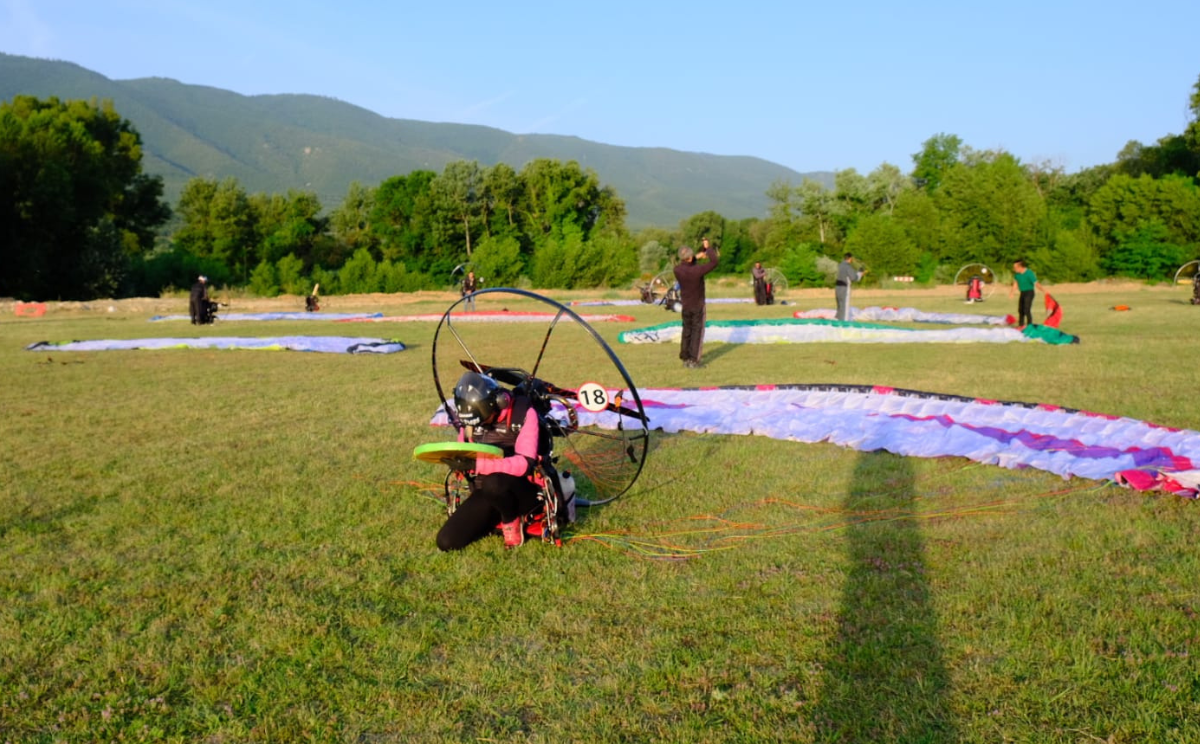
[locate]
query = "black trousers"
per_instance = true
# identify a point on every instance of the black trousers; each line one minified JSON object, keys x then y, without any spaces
{"x":494,"y":498}
{"x":691,"y":343}
{"x":1025,"y":307}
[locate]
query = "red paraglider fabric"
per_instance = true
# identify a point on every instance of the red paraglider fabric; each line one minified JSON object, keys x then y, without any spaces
{"x":1053,"y":312}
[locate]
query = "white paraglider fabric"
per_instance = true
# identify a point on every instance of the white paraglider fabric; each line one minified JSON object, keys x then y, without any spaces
{"x":903,"y":315}
{"x":1067,"y":442}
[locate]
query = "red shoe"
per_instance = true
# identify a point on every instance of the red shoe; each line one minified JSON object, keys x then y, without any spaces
{"x":514,"y":533}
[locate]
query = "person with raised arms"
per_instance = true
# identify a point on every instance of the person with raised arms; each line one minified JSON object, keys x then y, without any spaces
{"x":690,"y":275}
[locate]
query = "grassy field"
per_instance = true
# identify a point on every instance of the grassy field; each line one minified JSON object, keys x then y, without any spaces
{"x":232,"y":546}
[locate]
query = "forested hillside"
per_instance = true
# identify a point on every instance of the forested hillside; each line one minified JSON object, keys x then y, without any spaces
{"x":274,"y":143}
{"x":82,"y":216}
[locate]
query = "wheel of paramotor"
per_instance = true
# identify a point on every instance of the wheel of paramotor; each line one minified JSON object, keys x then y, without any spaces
{"x":1187,"y":272}
{"x":985,"y":274}
{"x":668,"y":296}
{"x":778,"y":282}
{"x":653,"y":291}
{"x":599,"y":427}
{"x":663,"y":281}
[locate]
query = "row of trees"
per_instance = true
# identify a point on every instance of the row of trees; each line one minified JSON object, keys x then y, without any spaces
{"x":552,"y":222}
{"x":1136,"y":217}
{"x":78,"y":219}
{"x":962,"y":205}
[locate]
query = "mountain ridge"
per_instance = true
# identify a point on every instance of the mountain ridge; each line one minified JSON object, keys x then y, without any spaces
{"x":276,"y":142}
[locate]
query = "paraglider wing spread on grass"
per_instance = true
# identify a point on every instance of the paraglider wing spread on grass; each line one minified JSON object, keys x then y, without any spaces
{"x":1067,"y":442}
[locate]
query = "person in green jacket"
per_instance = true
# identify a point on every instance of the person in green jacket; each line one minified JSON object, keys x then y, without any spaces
{"x":1026,"y":282}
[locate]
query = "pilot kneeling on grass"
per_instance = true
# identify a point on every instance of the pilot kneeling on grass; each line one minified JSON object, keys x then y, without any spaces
{"x":504,"y":489}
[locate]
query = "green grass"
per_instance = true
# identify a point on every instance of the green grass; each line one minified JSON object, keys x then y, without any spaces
{"x":226,"y":546}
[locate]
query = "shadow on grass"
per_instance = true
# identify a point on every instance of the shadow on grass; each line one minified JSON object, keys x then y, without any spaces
{"x":712,"y":352}
{"x":884,"y":679}
{"x":37,"y":520}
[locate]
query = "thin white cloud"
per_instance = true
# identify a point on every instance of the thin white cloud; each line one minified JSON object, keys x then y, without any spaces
{"x":470,"y":111}
{"x":542,"y":124}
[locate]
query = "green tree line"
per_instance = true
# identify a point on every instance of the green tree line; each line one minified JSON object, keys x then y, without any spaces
{"x":551,"y":224}
{"x":961,"y":205}
{"x":78,"y":219}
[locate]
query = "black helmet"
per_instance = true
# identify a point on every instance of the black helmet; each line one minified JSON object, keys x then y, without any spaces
{"x":479,"y":399}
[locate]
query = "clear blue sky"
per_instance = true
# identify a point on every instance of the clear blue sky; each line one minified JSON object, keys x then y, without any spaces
{"x":811,"y":86}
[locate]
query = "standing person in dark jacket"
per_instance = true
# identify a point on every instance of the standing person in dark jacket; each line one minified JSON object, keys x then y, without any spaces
{"x":198,"y":302}
{"x":759,"y":275}
{"x":846,"y":275}
{"x":690,"y":276}
{"x":470,"y":285}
